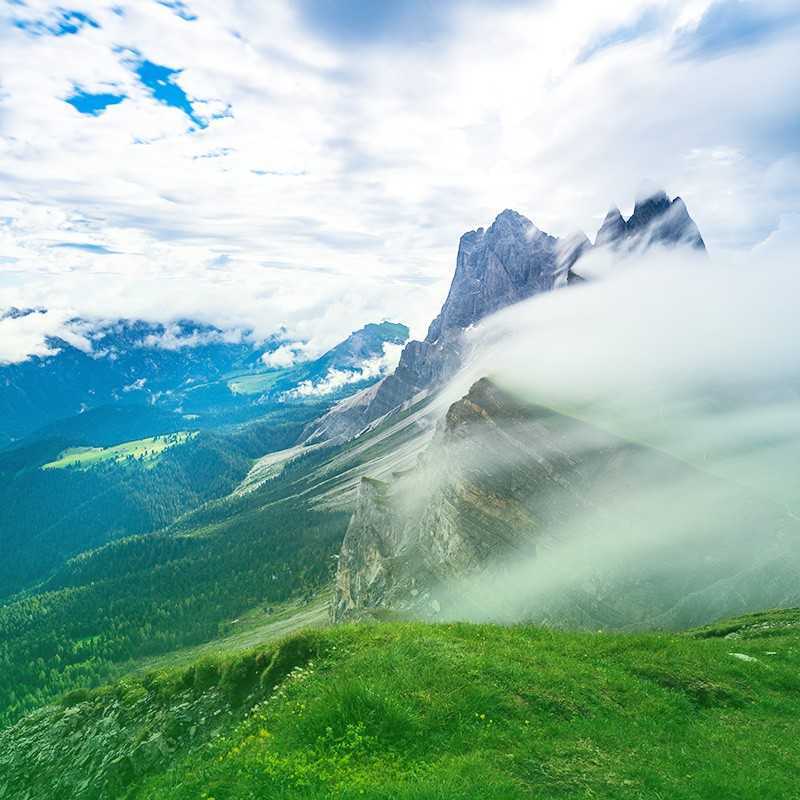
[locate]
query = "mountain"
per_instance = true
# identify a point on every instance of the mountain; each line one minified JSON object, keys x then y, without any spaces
{"x":127,"y":362}
{"x":656,"y":220}
{"x":185,"y":368}
{"x":507,"y":262}
{"x":515,"y":512}
{"x":125,"y":468}
{"x":362,"y":358}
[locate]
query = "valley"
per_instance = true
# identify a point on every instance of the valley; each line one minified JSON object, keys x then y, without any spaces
{"x":340,"y":579}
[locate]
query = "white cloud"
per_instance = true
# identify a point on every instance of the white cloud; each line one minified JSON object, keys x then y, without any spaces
{"x":176,"y":338}
{"x":26,"y":336}
{"x":338,"y":187}
{"x":336,"y":379}
{"x":284,"y":356}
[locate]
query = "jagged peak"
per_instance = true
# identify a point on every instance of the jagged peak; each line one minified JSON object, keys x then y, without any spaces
{"x":648,"y":206}
{"x":650,"y":191}
{"x":679,"y":205}
{"x":612,"y":229}
{"x":612,"y":214}
{"x":512,"y":220}
{"x":510,"y":214}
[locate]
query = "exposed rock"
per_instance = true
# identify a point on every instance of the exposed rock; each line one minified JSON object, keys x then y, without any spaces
{"x":469,"y":501}
{"x":743,"y":657}
{"x":364,"y":572}
{"x":612,"y":230}
{"x":655,"y":220}
{"x":495,"y":267}
{"x":510,"y":261}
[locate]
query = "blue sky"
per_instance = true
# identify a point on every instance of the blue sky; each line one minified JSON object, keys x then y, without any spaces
{"x":313,"y":163}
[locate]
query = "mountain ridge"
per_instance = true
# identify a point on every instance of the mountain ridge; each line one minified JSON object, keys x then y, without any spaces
{"x":505,"y":485}
{"x":498,"y":266}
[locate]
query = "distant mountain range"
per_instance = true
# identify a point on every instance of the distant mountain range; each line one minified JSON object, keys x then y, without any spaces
{"x":201,"y":375}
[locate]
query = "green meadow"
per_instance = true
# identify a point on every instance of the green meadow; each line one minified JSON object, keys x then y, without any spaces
{"x":145,"y":449}
{"x":437,"y":712}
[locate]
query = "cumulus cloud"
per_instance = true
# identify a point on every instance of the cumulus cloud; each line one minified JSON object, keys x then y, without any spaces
{"x":337,"y":379}
{"x":335,"y":174}
{"x":284,"y":356}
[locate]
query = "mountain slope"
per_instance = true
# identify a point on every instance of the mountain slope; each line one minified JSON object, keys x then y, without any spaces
{"x":433,"y":711}
{"x":518,"y":512}
{"x":275,"y":536}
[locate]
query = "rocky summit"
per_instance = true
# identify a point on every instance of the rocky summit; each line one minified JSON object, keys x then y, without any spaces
{"x":655,"y":220}
{"x":498,"y":266}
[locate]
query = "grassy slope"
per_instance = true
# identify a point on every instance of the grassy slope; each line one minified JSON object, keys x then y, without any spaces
{"x":85,"y":457}
{"x":456,"y":711}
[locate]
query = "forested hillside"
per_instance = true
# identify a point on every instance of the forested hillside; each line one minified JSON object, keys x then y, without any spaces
{"x":144,"y":595}
{"x":152,"y":594}
{"x":47,"y":515}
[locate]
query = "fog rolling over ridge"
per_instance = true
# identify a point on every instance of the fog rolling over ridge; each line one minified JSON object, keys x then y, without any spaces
{"x":630,"y":461}
{"x":692,"y":356}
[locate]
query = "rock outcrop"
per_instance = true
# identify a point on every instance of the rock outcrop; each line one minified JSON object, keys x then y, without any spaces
{"x":516,"y":511}
{"x":503,"y":264}
{"x":498,"y":476}
{"x":656,"y":220}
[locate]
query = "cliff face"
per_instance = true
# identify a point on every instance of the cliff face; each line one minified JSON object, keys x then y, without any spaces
{"x":493,"y":480}
{"x":364,"y":576}
{"x":518,"y":512}
{"x":655,"y":220}
{"x":495,"y":267}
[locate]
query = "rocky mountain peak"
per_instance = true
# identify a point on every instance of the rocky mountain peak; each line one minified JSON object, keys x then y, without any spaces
{"x":655,"y":220}
{"x":510,"y":222}
{"x":647,"y":208}
{"x":509,"y":261}
{"x":498,"y":266}
{"x":612,"y":229}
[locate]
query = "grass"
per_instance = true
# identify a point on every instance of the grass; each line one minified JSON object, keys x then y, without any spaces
{"x":146,"y":449}
{"x":410,"y":711}
{"x":256,"y":628}
{"x":256,"y":383}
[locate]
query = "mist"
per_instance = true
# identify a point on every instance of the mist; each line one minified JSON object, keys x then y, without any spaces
{"x":691,"y":365}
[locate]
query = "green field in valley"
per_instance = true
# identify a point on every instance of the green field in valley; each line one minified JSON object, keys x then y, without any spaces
{"x":255,"y":383}
{"x":149,"y":448}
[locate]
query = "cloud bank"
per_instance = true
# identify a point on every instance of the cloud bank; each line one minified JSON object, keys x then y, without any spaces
{"x":693,"y":362}
{"x":268,"y":165}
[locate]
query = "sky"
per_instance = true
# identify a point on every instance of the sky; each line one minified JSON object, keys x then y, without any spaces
{"x":311,"y":165}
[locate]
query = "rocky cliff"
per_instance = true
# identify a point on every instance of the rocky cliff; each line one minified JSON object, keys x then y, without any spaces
{"x":516,"y":511}
{"x":655,"y":220}
{"x":507,"y":262}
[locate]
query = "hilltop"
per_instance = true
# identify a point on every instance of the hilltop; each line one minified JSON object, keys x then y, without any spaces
{"x":404,"y":710}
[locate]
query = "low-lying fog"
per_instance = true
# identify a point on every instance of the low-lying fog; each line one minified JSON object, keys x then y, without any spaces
{"x":690,"y":357}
